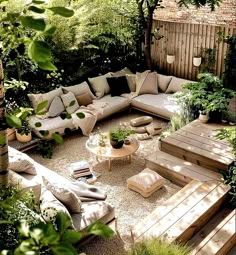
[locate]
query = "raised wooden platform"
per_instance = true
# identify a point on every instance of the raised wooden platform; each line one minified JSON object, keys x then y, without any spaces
{"x":196,"y":143}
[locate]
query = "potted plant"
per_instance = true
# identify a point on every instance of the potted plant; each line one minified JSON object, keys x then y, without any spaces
{"x":170,"y":58}
{"x":24,"y":134}
{"x":118,"y":136}
{"x":197,"y":60}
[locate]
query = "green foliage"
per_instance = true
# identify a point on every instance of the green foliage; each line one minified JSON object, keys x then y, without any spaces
{"x":45,"y":148}
{"x":160,"y":247}
{"x":208,"y":61}
{"x":200,"y":3}
{"x":119,"y":134}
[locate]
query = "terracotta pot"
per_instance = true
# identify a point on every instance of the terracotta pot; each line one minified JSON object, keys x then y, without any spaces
{"x":203,"y":118}
{"x":11,"y":134}
{"x":23,"y":138}
{"x":116,"y":144}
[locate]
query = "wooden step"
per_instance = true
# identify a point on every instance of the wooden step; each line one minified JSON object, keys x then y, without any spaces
{"x":196,"y":143}
{"x":217,"y":236}
{"x":178,"y":170}
{"x":184,"y":214}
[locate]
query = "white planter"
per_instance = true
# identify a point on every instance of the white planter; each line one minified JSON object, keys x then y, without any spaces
{"x":203,"y":118}
{"x":170,"y":59}
{"x":23,"y":138}
{"x":197,"y":61}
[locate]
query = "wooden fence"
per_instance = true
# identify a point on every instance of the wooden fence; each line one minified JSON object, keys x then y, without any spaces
{"x":185,"y":41}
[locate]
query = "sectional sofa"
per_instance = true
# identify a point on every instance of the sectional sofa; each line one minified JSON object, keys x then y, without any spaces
{"x":107,"y":94}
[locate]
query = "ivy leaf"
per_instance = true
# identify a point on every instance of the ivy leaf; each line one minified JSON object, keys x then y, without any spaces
{"x":36,"y":9}
{"x":50,"y":29}
{"x":39,"y":51}
{"x":13,"y":121}
{"x":48,"y":65}
{"x":38,"y":2}
{"x":72,"y":236}
{"x":80,"y":115}
{"x":38,"y":124}
{"x":100,"y":229}
{"x":58,"y":138}
{"x":41,"y":107}
{"x":62,"y":11}
{"x":72,"y":103}
{"x":2,"y":140}
{"x":33,"y":23}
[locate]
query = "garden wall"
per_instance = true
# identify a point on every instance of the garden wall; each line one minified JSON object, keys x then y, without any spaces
{"x":186,"y":40}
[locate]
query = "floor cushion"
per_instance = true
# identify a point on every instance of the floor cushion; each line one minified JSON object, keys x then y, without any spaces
{"x":140,"y":121}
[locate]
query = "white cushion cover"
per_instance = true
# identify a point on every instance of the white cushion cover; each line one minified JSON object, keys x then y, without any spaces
{"x":70,"y":102}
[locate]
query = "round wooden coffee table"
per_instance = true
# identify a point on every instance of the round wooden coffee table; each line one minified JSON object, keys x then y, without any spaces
{"x":110,"y":153}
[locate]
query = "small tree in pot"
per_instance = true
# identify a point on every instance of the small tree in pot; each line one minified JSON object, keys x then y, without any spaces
{"x":118,"y":136}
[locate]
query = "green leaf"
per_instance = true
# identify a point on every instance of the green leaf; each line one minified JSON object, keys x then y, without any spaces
{"x":50,"y":29}
{"x":63,"y":248}
{"x":38,"y":2}
{"x":36,"y":9}
{"x":39,"y":51}
{"x":13,"y":121}
{"x":50,"y":235}
{"x":2,"y":140}
{"x":58,"y":138}
{"x":80,"y":115}
{"x":38,"y":124}
{"x":63,"y":222}
{"x":41,"y":106}
{"x":44,"y":132}
{"x":100,"y":229}
{"x":72,"y":103}
{"x":33,"y":23}
{"x":48,"y":65}
{"x":62,"y":11}
{"x":72,"y":236}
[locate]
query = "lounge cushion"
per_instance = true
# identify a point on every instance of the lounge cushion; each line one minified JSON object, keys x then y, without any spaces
{"x":175,"y":85}
{"x":100,"y":85}
{"x":79,"y":89}
{"x":163,"y":82}
{"x":144,"y":120}
{"x":118,"y":85}
{"x":70,"y":102}
{"x":131,"y":79}
{"x":84,"y":99}
{"x":56,"y":107}
{"x":121,"y":72}
{"x":163,"y":105}
{"x":149,"y":85}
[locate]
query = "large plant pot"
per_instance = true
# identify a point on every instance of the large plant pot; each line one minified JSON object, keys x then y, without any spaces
{"x":203,"y":118}
{"x":23,"y":138}
{"x":11,"y":134}
{"x":116,"y":144}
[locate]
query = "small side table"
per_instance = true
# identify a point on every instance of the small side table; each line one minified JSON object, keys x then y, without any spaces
{"x":110,"y":153}
{"x":24,"y":146}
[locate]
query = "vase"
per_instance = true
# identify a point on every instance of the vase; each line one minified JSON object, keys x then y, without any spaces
{"x":116,"y":144}
{"x":203,"y":118}
{"x":23,"y":138}
{"x":197,"y":61}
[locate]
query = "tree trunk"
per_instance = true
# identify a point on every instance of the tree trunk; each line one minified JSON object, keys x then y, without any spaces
{"x":3,"y":134}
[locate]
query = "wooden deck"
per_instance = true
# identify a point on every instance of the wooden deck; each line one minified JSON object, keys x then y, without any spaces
{"x":196,"y":143}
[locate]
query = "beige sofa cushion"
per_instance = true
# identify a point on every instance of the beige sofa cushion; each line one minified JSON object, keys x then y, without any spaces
{"x":176,"y":85}
{"x":122,"y":72}
{"x":131,"y":79}
{"x":56,"y":107}
{"x":144,"y":120}
{"x":84,"y":99}
{"x":100,"y":85}
{"x":79,"y":89}
{"x":163,"y":82}
{"x":70,"y":102}
{"x":149,"y":85}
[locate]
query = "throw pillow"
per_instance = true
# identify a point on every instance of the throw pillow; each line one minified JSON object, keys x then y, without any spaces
{"x":84,"y":99}
{"x":131,"y":79}
{"x":64,"y":195}
{"x":100,"y":85}
{"x":79,"y":89}
{"x":20,"y":162}
{"x":163,"y":82}
{"x":25,"y":184}
{"x":122,"y":72}
{"x":70,"y":102}
{"x":149,"y":85}
{"x":140,"y":78}
{"x":176,"y":85}
{"x":50,"y":205}
{"x":118,"y":85}
{"x":56,"y":107}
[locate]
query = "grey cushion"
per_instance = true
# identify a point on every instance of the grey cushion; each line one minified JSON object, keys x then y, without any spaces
{"x":175,"y":85}
{"x":163,"y":82}
{"x":70,"y":102}
{"x":56,"y":107}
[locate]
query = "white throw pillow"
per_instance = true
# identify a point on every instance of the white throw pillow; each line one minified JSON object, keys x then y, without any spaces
{"x":163,"y":82}
{"x":64,"y":195}
{"x":100,"y":85}
{"x":70,"y":102}
{"x":176,"y":85}
{"x":56,"y":107}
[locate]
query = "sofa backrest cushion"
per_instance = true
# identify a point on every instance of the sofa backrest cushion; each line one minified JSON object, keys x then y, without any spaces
{"x":84,"y":99}
{"x":70,"y":102}
{"x":56,"y":107}
{"x":122,"y":72}
{"x":163,"y":82}
{"x":100,"y":85}
{"x":149,"y":85}
{"x":79,"y":89}
{"x":118,"y":85}
{"x":176,"y":85}
{"x":131,"y":79}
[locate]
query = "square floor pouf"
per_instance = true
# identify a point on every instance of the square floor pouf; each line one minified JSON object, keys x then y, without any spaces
{"x":146,"y":182}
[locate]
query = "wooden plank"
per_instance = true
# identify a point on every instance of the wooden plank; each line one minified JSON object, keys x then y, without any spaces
{"x":190,"y":70}
{"x":145,"y":224}
{"x":222,"y":241}
{"x":194,"y":219}
{"x":180,"y":210}
{"x":180,"y":163}
{"x":210,"y":229}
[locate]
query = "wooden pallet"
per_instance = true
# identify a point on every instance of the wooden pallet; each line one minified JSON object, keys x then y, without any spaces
{"x":217,"y":236}
{"x":196,"y":143}
{"x":184,"y":214}
{"x":178,"y":170}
